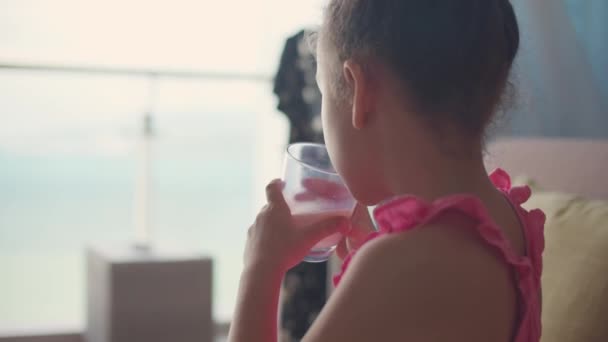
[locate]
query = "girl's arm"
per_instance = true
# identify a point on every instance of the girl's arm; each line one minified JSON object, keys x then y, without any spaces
{"x":436,"y":283}
{"x":274,"y":245}
{"x":433,"y":284}
{"x":255,"y":317}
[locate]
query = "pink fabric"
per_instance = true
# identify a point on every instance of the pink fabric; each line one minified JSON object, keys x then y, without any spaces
{"x":582,"y":164}
{"x":408,"y":212}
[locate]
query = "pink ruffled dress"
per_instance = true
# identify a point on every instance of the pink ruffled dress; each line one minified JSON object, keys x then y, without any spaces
{"x":406,"y":213}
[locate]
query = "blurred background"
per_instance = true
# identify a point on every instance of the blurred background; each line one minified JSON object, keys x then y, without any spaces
{"x":70,"y":142}
{"x":79,"y":78}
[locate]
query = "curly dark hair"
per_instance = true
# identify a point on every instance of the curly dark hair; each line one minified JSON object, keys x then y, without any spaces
{"x":453,"y":56}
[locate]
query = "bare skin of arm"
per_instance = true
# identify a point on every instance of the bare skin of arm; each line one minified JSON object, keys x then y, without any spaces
{"x":274,"y":245}
{"x":446,"y":286}
{"x":257,"y":308}
{"x":435,"y":283}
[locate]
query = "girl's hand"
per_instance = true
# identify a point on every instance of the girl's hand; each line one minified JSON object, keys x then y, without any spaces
{"x":275,"y":242}
{"x":361,"y":224}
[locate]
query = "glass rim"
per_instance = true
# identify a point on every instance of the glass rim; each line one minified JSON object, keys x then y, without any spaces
{"x":316,"y":145}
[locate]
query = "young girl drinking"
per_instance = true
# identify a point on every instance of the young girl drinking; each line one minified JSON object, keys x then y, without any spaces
{"x":408,"y":88}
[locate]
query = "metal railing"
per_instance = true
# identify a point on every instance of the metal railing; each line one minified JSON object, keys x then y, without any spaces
{"x":136,"y":72}
{"x":142,"y":233}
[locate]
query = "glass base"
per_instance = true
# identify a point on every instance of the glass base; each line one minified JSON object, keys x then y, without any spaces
{"x":319,"y":254}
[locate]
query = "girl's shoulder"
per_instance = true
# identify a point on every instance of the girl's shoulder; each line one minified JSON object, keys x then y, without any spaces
{"x":449,"y":248}
{"x":434,"y":279}
{"x":453,"y":259}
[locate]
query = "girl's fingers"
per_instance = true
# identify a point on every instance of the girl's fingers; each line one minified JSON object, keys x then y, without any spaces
{"x":305,"y":197}
{"x":318,"y":231}
{"x":274,"y":193}
{"x":325,"y":189}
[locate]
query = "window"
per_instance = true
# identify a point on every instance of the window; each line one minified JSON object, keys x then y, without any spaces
{"x":69,"y":141}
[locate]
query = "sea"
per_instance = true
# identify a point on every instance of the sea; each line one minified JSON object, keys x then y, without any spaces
{"x":68,"y":177}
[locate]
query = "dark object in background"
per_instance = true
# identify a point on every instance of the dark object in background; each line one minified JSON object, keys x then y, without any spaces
{"x":296,"y":87}
{"x":305,"y":286}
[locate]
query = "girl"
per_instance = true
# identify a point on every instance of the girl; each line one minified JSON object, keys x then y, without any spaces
{"x":408,"y":88}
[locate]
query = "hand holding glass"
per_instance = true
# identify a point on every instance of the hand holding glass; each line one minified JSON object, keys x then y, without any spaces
{"x":315,"y":192}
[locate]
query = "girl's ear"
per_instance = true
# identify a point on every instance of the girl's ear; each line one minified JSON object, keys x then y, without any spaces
{"x":358,"y":82}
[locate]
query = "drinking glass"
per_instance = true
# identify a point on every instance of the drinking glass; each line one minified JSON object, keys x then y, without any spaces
{"x":315,"y":192}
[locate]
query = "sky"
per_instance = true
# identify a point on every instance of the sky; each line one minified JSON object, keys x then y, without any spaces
{"x":236,"y":36}
{"x":49,"y":114}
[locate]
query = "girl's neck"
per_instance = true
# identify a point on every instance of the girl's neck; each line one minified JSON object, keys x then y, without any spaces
{"x":435,"y":168}
{"x":433,"y":177}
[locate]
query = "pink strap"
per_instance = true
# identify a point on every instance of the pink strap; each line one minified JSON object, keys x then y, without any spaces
{"x":406,"y":213}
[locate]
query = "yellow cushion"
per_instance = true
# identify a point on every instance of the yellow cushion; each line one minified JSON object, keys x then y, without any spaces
{"x":575,"y":275}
